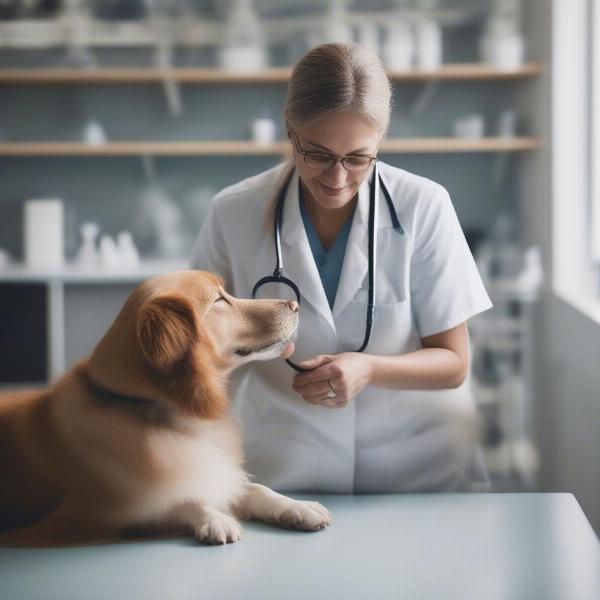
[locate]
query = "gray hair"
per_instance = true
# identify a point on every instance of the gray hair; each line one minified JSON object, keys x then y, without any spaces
{"x":337,"y":77}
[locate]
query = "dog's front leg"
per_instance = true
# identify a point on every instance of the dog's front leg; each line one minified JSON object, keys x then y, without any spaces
{"x":263,"y":504}
{"x":209,"y":524}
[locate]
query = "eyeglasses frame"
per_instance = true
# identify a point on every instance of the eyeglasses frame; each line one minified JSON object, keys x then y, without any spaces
{"x":332,"y":157}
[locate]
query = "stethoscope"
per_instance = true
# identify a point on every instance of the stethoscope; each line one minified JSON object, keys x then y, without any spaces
{"x":278,"y":277}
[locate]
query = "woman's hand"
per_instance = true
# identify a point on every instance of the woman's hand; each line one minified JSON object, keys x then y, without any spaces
{"x":333,"y":379}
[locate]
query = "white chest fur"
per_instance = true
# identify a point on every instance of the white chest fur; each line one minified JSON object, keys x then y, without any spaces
{"x":204,"y":465}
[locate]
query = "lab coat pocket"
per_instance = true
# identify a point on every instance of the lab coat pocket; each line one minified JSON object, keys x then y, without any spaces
{"x":386,"y":294}
{"x":281,"y":462}
{"x":392,"y":331}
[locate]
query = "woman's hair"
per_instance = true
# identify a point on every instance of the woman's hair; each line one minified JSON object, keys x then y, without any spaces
{"x":337,"y":77}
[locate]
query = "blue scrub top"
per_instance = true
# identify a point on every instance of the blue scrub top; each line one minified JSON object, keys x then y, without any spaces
{"x":329,"y":262}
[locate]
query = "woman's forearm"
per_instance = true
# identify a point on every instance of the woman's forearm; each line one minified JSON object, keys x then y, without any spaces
{"x":427,"y":368}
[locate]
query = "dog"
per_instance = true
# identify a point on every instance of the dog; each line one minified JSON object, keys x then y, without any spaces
{"x":138,"y":437}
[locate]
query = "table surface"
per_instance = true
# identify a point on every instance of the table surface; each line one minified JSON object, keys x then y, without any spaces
{"x":448,"y":546}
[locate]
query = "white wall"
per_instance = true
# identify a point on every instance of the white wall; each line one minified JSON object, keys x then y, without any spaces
{"x":568,"y":342}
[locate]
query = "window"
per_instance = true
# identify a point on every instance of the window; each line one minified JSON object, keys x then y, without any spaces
{"x":595,"y":141}
{"x":575,"y":164}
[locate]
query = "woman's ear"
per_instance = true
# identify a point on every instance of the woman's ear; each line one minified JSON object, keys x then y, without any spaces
{"x":166,"y":331}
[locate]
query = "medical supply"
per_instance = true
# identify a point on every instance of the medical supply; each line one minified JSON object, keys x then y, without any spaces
{"x":502,"y":44}
{"x":130,"y":258}
{"x":507,"y":124}
{"x":264,"y":130}
{"x":109,"y":254}
{"x":375,"y":185}
{"x":398,"y":48}
{"x":93,"y":133}
{"x":243,"y":48}
{"x":44,"y":233}
{"x":470,"y":126}
{"x":428,"y":44}
{"x":87,"y":255}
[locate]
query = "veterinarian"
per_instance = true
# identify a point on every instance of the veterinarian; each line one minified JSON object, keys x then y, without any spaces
{"x":397,"y":416}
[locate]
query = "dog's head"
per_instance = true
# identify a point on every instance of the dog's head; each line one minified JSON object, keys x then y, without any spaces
{"x":179,"y":335}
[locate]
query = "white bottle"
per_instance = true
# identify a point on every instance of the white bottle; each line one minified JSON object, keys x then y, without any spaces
{"x":44,"y":233}
{"x":93,"y":133}
{"x":243,"y":49}
{"x":109,"y":255}
{"x":398,"y":48}
{"x":87,"y":255}
{"x":428,"y":42}
{"x":130,"y":257}
{"x":502,"y":44}
{"x":263,"y":131}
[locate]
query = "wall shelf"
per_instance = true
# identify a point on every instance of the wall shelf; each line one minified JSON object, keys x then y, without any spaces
{"x":130,"y":76}
{"x":74,"y":274}
{"x":250,"y":148}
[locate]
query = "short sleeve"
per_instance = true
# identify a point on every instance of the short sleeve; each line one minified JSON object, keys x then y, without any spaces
{"x":210,"y":251}
{"x":446,"y":288}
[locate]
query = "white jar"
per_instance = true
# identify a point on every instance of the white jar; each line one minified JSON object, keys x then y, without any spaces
{"x":43,"y":233}
{"x":398,"y":47}
{"x":263,"y":131}
{"x":507,"y":52}
{"x":428,"y":36}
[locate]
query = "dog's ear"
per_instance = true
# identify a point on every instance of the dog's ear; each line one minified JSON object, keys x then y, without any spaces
{"x":166,"y":330}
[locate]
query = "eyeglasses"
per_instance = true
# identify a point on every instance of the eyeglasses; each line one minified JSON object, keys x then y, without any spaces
{"x":323,"y":160}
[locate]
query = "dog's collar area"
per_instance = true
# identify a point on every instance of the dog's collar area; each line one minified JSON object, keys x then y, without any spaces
{"x":147,"y":410}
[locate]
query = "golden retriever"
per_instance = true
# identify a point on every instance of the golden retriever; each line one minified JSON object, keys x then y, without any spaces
{"x":139,"y":435}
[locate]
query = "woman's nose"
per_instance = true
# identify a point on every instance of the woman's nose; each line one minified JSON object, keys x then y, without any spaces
{"x":336,"y":173}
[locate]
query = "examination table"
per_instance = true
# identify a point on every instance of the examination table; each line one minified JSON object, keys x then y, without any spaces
{"x":525,"y":546}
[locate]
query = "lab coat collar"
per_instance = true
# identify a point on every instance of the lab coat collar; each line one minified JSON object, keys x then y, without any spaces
{"x":356,"y":261}
{"x":298,"y":261}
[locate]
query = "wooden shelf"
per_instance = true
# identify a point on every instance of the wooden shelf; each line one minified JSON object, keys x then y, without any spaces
{"x":154,"y":148}
{"x":452,"y":144}
{"x":249,"y":148}
{"x":450,"y":72}
{"x":71,"y":273}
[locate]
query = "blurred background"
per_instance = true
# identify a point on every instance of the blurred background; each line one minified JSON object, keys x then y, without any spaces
{"x":120,"y":119}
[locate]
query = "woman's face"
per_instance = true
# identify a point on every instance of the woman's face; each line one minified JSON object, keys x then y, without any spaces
{"x":340,"y":134}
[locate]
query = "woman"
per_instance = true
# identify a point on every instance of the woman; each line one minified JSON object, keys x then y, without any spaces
{"x":398,"y":416}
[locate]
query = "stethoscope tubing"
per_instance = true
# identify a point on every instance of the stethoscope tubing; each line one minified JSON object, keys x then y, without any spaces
{"x":278,"y":277}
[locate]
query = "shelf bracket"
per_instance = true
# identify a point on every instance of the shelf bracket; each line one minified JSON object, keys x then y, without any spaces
{"x":424,"y":98}
{"x":172,"y":92}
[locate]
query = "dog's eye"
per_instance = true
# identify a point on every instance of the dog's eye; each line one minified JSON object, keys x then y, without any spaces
{"x":219,"y":299}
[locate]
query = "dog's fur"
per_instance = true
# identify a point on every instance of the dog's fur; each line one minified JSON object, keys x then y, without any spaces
{"x":138,"y":435}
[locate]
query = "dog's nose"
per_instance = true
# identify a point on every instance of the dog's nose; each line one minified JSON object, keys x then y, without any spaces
{"x":293,"y":306}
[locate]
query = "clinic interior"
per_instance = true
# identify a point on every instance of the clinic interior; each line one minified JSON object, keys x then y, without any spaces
{"x":126,"y":118}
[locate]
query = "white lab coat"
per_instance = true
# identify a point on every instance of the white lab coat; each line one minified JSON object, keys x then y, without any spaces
{"x":427,"y":282}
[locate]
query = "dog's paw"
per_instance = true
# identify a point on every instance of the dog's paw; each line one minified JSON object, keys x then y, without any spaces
{"x":219,"y":528}
{"x":303,"y":515}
